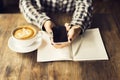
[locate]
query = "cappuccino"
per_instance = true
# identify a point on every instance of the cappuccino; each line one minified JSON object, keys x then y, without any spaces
{"x":24,"y":32}
{"x":25,"y":35}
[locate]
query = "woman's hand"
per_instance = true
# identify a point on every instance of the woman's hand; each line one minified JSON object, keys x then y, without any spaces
{"x":48,"y":25}
{"x":73,"y":31}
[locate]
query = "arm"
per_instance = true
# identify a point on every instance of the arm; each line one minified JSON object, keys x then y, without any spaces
{"x":33,"y":12}
{"x":82,"y":14}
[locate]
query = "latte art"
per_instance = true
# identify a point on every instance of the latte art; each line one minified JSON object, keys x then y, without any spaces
{"x":24,"y":33}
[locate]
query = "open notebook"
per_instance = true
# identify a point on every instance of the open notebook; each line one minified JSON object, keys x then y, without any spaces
{"x":87,"y":47}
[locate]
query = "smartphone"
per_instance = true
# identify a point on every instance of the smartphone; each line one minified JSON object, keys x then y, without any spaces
{"x":59,"y":34}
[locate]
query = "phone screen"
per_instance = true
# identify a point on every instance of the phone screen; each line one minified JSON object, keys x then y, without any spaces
{"x":59,"y":34}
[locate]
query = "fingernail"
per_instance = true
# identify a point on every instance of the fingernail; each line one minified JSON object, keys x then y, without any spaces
{"x":70,"y":39}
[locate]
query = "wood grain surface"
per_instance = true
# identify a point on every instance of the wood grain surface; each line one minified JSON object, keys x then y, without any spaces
{"x":16,"y":66}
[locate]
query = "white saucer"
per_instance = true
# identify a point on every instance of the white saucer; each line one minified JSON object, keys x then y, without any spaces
{"x":19,"y":49}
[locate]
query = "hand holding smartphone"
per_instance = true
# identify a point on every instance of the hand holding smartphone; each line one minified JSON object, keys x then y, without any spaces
{"x":60,"y":35}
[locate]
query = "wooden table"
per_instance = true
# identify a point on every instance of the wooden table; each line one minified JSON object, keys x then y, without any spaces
{"x":16,"y":66}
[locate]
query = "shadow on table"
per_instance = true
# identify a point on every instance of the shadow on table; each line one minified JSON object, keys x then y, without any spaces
{"x":101,"y":21}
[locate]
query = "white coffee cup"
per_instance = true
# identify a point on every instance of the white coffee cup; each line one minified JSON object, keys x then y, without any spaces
{"x":25,"y":35}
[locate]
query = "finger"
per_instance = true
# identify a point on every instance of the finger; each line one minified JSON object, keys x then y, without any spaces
{"x":61,"y":45}
{"x":71,"y":35}
{"x":50,"y":32}
{"x":58,"y":46}
{"x":67,"y":25}
{"x":48,"y":26}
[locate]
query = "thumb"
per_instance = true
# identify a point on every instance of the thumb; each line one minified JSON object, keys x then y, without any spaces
{"x":67,"y":25}
{"x":48,"y":27}
{"x":71,"y":35}
{"x":49,"y":31}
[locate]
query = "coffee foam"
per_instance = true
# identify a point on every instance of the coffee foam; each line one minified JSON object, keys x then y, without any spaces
{"x":25,"y":32}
